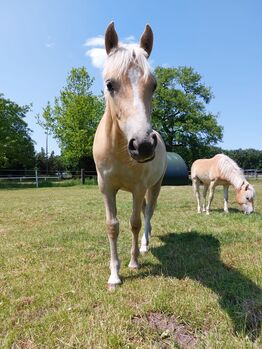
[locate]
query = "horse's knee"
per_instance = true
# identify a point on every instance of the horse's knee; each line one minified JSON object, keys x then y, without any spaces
{"x":112,"y":228}
{"x":135,"y":225}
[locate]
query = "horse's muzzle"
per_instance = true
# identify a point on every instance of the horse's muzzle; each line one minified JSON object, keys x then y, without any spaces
{"x":143,"y":151}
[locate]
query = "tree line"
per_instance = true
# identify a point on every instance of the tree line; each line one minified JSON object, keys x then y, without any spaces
{"x":179,"y":113}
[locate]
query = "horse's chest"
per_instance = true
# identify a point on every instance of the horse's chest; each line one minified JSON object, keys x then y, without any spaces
{"x":124,"y":177}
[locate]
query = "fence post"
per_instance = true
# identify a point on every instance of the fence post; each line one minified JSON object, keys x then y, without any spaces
{"x":36,"y":178}
{"x":82,"y":176}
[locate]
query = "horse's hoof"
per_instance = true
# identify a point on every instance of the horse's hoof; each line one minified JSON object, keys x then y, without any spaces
{"x":133,"y":266}
{"x":144,"y":249}
{"x":113,"y":280}
{"x":112,"y":287}
{"x":207,"y":212}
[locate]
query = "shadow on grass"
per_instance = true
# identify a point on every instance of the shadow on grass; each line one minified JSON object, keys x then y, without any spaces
{"x":231,"y":210}
{"x":197,"y":256}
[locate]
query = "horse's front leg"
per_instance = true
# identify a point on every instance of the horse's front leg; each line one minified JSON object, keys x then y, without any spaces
{"x":112,"y":231}
{"x":226,"y":198}
{"x":151,"y":199}
{"x":135,"y":222}
{"x":204,"y":197}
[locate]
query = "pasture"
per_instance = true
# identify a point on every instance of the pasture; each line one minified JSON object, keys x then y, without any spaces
{"x":199,"y":286}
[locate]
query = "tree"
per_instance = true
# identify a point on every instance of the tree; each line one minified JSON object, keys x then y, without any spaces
{"x":44,"y":122}
{"x":74,"y":118}
{"x":246,"y":158}
{"x":16,"y":145}
{"x":55,"y":162}
{"x":180,"y":115}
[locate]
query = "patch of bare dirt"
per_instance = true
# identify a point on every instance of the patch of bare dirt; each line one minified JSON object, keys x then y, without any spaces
{"x":169,"y":329}
{"x":26,"y":344}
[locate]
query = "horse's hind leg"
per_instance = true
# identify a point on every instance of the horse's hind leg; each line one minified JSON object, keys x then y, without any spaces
{"x":135,"y":222}
{"x":211,"y":195}
{"x":196,"y":187}
{"x":151,"y":199}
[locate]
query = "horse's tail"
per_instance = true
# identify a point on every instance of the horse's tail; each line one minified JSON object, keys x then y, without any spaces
{"x":194,"y":177}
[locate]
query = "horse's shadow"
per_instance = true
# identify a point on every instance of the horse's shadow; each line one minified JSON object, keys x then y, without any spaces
{"x":197,"y":256}
{"x":230,"y":210}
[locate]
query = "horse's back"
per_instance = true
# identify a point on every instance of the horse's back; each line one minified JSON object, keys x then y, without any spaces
{"x":207,"y":170}
{"x":200,"y":167}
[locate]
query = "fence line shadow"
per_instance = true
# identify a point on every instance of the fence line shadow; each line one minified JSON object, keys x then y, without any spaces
{"x":197,"y":256}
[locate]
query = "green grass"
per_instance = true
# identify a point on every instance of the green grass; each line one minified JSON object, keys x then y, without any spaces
{"x":203,"y":271}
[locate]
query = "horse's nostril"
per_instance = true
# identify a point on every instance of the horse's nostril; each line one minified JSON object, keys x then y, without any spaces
{"x":154,"y":139}
{"x":131,"y":145}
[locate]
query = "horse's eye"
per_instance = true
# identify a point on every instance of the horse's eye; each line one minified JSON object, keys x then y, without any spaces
{"x":154,"y":86}
{"x":110,"y":86}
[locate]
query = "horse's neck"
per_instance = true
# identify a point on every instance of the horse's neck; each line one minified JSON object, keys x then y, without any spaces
{"x":237,"y":181}
{"x":231,"y":173}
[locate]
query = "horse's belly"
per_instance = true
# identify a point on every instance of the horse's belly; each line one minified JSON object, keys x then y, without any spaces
{"x":222,"y":182}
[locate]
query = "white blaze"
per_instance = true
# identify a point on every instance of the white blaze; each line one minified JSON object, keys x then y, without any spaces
{"x":137,"y":124}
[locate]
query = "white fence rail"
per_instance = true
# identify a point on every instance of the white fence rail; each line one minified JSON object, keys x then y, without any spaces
{"x":35,"y":176}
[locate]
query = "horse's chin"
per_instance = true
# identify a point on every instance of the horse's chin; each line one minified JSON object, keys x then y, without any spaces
{"x":142,"y":161}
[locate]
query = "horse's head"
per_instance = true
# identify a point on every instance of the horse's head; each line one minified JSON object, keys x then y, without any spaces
{"x":245,"y":197}
{"x":128,"y":92}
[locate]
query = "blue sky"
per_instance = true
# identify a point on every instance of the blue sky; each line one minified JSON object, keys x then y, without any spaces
{"x":41,"y":40}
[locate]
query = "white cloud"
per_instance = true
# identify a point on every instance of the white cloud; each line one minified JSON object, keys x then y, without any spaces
{"x":96,"y":51}
{"x":98,"y":56}
{"x":96,"y":41}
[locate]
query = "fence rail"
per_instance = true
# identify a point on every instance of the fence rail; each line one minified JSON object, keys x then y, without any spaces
{"x":35,"y":176}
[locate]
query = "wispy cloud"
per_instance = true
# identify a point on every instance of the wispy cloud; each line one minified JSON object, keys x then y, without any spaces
{"x":96,"y":51}
{"x":130,"y":39}
{"x":50,"y":43}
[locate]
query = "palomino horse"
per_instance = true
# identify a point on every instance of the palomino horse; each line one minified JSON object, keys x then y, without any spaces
{"x":221,"y":170}
{"x":128,"y":154}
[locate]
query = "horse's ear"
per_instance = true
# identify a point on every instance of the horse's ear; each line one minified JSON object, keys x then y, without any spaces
{"x":146,"y":40}
{"x":246,"y":187}
{"x":111,"y":38}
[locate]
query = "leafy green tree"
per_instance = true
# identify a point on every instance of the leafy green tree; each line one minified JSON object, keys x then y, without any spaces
{"x":246,"y":158}
{"x":55,"y":162}
{"x":180,"y":115}
{"x":74,"y":118}
{"x":16,"y":145}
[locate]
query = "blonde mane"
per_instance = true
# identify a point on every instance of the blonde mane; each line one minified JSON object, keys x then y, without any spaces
{"x":119,"y":60}
{"x":231,"y":171}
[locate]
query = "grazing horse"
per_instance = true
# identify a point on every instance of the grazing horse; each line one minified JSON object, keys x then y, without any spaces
{"x":128,"y":153}
{"x":221,"y":170}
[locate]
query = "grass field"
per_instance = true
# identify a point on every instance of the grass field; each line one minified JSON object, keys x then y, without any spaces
{"x":199,"y":286}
